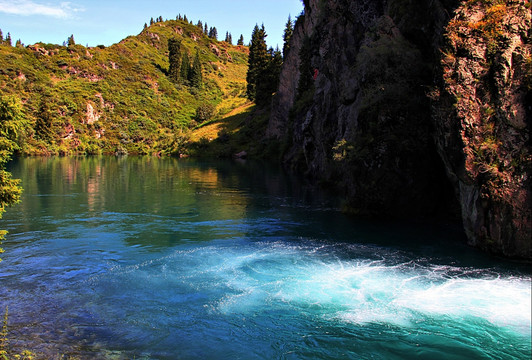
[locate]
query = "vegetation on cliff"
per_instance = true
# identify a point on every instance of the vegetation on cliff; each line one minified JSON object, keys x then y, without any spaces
{"x":483,"y":116}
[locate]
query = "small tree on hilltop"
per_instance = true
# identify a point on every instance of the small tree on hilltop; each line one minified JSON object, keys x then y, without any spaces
{"x":213,"y":33}
{"x":70,"y":40}
{"x":241,"y":40}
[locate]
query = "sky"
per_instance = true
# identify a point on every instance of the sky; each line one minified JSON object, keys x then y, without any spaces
{"x":105,"y":22}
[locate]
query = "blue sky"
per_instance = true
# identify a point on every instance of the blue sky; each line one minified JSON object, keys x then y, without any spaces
{"x":106,"y":22}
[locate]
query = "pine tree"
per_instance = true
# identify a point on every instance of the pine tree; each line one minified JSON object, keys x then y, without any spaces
{"x":185,"y":19}
{"x":70,"y":40}
{"x":145,"y":26}
{"x":19,"y":44}
{"x":185,"y":67}
{"x":195,"y":76}
{"x":268,"y":78}
{"x":174,"y":58}
{"x":228,"y":38}
{"x":213,"y":33}
{"x":8,"y":39}
{"x":241,"y":40}
{"x":44,"y":123}
{"x":200,"y":25}
{"x":152,"y":22}
{"x":258,"y":61}
{"x":206,"y":29}
{"x":288,"y":32}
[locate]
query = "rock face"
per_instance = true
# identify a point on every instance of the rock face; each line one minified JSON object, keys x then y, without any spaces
{"x":408,"y":105}
{"x":483,"y":122}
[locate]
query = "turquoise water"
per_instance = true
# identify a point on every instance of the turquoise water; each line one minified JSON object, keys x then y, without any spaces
{"x":146,"y":258}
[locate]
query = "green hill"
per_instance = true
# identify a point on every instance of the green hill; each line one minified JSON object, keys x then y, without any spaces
{"x":120,"y":98}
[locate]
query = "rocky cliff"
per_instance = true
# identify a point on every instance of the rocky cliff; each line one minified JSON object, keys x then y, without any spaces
{"x":410,"y":104}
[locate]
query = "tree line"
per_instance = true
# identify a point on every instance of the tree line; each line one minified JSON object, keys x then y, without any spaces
{"x":211,"y":32}
{"x":265,"y":64}
{"x":181,"y":71}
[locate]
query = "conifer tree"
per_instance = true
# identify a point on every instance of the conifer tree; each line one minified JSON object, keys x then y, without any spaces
{"x":185,"y":67}
{"x":8,"y":39}
{"x":44,"y":123}
{"x":268,"y":78}
{"x":174,"y":58}
{"x":200,"y":25}
{"x":241,"y":40}
{"x":257,"y":61}
{"x":70,"y":40}
{"x":288,"y":32}
{"x":206,"y":30}
{"x":185,"y":19}
{"x":229,"y":38}
{"x":195,"y":76}
{"x":152,"y":22}
{"x":213,"y":33}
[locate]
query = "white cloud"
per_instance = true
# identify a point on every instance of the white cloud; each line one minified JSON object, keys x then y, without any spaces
{"x":30,"y":7}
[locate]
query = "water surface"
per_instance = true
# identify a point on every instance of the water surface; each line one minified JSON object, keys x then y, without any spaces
{"x":147,"y":258}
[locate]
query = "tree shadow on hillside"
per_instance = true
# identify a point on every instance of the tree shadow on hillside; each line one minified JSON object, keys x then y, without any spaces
{"x":243,"y":132}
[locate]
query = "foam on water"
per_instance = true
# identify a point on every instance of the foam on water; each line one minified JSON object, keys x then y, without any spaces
{"x":314,"y":280}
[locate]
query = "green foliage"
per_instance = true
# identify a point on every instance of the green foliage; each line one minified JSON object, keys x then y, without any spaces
{"x":204,"y":113}
{"x":70,"y":41}
{"x":287,"y":35}
{"x":195,"y":76}
{"x":44,"y":122}
{"x":11,"y":128}
{"x":264,"y":68}
{"x":185,"y":67}
{"x":174,"y":59}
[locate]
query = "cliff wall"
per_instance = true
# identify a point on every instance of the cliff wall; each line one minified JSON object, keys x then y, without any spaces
{"x":409,"y":105}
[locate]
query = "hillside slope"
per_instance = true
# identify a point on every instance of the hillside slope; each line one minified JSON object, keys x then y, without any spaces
{"x":119,"y":99}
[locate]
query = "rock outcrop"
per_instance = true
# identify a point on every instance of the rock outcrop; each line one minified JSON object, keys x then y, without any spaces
{"x":482,"y":120}
{"x":408,"y":105}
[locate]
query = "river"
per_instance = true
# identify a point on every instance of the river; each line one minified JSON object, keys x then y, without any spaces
{"x":148,"y":258}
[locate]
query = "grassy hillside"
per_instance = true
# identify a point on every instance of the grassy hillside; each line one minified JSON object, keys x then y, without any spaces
{"x":120,"y":99}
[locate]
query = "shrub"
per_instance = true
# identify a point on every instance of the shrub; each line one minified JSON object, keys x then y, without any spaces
{"x":204,"y":112}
